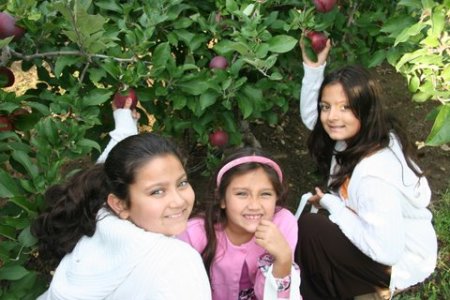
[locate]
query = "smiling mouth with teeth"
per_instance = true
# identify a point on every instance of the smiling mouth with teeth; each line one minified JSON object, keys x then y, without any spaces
{"x":253,"y":217}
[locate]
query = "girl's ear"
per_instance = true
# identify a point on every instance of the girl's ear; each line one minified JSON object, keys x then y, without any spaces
{"x":118,"y":206}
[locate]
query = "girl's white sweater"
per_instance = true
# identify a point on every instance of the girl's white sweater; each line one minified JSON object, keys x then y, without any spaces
{"x":385,"y":214}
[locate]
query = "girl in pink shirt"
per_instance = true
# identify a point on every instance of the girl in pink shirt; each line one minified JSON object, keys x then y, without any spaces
{"x":245,"y":237}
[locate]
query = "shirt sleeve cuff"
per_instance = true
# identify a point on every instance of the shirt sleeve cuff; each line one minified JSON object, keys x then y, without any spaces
{"x":332,"y":203}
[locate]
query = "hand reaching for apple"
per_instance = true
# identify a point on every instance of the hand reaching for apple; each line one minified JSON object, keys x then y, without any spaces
{"x":321,"y":56}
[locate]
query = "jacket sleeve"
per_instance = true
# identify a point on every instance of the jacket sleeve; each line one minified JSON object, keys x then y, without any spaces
{"x":375,"y":225}
{"x":195,"y":235}
{"x":268,"y":287}
{"x":309,"y":94}
{"x":125,"y":126}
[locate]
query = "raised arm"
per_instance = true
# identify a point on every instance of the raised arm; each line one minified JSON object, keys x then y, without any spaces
{"x":312,"y":80}
{"x":125,"y":121}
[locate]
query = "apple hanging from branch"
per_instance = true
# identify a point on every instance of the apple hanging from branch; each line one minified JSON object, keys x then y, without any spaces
{"x":9,"y":28}
{"x":218,"y":138}
{"x":324,"y":6}
{"x":218,"y":62}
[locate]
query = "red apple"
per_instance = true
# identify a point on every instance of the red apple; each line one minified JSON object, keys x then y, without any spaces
{"x":324,"y":6}
{"x":9,"y":28}
{"x":218,"y":138}
{"x":318,"y":40}
{"x":5,"y":123}
{"x":218,"y":62}
{"x":6,"y":77}
{"x":121,"y":96}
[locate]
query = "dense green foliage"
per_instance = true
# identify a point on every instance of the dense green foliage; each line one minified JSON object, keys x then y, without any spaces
{"x":84,"y":51}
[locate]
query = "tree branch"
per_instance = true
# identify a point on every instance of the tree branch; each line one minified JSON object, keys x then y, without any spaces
{"x":69,"y":53}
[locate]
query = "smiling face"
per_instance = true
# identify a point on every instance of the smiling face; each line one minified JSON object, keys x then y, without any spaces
{"x":336,"y":116}
{"x":249,"y":198}
{"x":161,"y":197}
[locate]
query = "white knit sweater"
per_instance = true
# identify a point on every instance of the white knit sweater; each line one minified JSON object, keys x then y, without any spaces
{"x":122,"y":261}
{"x":385,"y":214}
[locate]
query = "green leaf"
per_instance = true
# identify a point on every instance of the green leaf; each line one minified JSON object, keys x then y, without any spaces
{"x":276,"y":76}
{"x":194,"y":87}
{"x":108,"y":5}
{"x":8,"y":187}
{"x":377,"y":58}
{"x":12,"y":272}
{"x":440,"y":133}
{"x":179,"y":101}
{"x":96,"y":97}
{"x":207,"y":99}
{"x":409,"y":32}
{"x":438,"y":21}
{"x":282,"y":43}
{"x":421,"y":96}
{"x":8,"y":232}
{"x":226,"y":47}
{"x":23,"y":159}
{"x":64,"y":61}
{"x":161,"y":55}
{"x":414,"y":83}
{"x":89,"y":144}
{"x":26,"y":239}
{"x":231,"y":6}
{"x":96,"y":74}
{"x":411,"y":3}
{"x":23,"y":203}
{"x":4,"y":42}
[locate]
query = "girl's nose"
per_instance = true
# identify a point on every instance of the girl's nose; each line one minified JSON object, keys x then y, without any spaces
{"x":333,"y":113}
{"x":254,"y":203}
{"x":177,"y":199}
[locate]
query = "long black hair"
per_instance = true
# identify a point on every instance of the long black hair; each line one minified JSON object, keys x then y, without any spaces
{"x":72,"y":206}
{"x":364,"y":96}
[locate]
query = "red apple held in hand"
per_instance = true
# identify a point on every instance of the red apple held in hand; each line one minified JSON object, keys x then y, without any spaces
{"x":6,"y":77}
{"x":9,"y":28}
{"x":318,"y":40}
{"x":218,"y":138}
{"x":324,"y":6}
{"x":218,"y":62}
{"x":5,"y":123}
{"x":120,"y":97}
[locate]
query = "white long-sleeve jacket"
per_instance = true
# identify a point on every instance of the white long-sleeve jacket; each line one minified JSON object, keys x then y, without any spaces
{"x":384,"y":212}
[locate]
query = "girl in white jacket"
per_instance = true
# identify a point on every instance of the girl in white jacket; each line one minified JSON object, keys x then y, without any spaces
{"x":111,"y":227}
{"x":376,"y":234}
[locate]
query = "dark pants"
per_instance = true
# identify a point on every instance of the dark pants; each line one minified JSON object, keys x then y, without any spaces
{"x":331,"y":266}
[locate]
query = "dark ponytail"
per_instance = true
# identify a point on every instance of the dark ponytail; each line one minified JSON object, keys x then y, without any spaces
{"x":70,"y":213}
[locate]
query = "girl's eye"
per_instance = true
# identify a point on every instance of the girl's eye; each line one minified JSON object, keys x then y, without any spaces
{"x":345,"y":107}
{"x":183,"y":183}
{"x":324,"y":106}
{"x":241,"y":194}
{"x":267,"y":194}
{"x":156,"y":192}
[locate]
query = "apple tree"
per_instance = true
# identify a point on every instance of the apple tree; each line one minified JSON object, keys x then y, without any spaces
{"x":200,"y":70}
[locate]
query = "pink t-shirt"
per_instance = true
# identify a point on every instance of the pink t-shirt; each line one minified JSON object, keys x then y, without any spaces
{"x":228,"y":281}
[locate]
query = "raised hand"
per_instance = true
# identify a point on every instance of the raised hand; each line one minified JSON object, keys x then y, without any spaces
{"x":321,"y":56}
